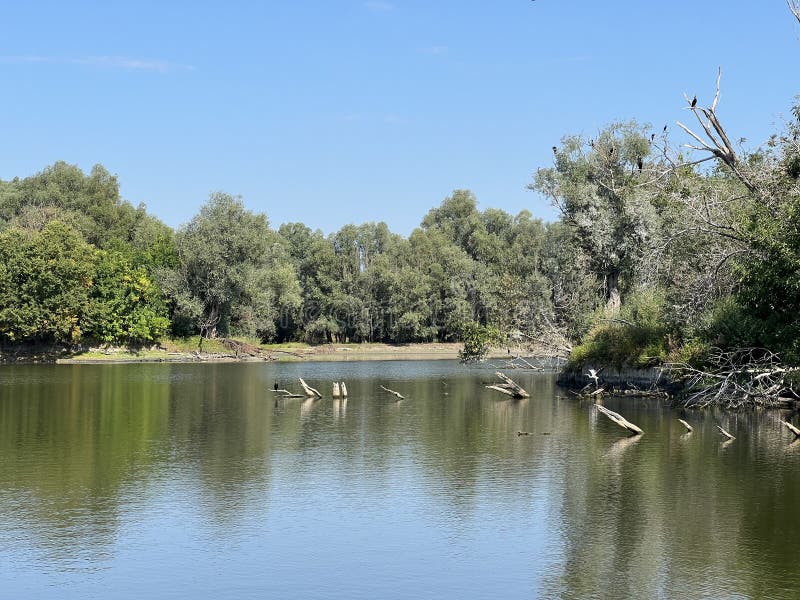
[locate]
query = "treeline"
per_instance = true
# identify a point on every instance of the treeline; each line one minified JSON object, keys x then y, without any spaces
{"x":79,"y":264}
{"x":656,"y":258}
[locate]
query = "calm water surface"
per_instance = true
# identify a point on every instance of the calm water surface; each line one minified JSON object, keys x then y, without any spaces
{"x":192,"y":481}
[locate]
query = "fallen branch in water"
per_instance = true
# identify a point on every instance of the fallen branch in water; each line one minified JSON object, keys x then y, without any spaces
{"x":310,"y":392}
{"x":287,"y":394}
{"x":508,"y":387}
{"x":619,"y":420}
{"x":689,"y":428}
{"x":748,"y":377}
{"x":726,"y":434}
{"x":398,"y":394}
{"x":792,"y":428}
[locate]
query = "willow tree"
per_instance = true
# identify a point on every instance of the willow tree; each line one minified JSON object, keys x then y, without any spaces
{"x":226,"y":281}
{"x":602,"y":189}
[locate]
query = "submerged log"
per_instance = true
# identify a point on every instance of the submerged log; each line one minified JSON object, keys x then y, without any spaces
{"x":689,"y":428}
{"x":399,"y":396}
{"x":792,"y":428}
{"x":619,"y":420}
{"x":508,"y":387}
{"x":310,"y":392}
{"x":336,"y":390}
{"x":726,"y":434}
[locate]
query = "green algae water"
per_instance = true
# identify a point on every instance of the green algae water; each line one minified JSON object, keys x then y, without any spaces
{"x":194,"y":481}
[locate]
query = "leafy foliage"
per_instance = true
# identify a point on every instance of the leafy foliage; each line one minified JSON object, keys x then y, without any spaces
{"x":477,"y":340}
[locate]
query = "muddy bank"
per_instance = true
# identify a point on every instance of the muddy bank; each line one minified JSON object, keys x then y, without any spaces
{"x":654,"y":378}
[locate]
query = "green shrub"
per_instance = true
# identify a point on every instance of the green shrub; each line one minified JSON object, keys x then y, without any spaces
{"x":477,"y":340}
{"x":694,"y":353}
{"x":637,"y":337}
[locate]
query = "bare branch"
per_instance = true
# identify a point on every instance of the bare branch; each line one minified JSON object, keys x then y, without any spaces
{"x":717,"y":141}
{"x":749,"y":377}
{"x":716,"y":95}
{"x":794,"y":6}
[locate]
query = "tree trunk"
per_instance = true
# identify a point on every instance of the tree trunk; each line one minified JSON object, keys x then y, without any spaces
{"x":613,"y":299}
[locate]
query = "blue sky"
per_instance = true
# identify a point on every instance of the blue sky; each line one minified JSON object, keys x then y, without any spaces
{"x":339,"y":111}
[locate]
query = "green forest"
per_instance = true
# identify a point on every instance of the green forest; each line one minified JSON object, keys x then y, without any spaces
{"x":659,"y":255}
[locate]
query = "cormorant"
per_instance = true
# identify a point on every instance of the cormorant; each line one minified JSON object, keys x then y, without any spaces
{"x":555,"y":149}
{"x":275,"y":386}
{"x":694,"y":101}
{"x":639,"y":164}
{"x":665,"y":129}
{"x":652,"y":136}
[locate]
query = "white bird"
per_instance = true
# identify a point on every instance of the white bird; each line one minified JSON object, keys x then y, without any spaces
{"x":594,"y":375}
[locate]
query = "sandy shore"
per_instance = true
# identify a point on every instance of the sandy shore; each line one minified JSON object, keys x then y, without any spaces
{"x":326,"y":352}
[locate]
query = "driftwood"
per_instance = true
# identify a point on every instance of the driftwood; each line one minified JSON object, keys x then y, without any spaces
{"x":792,"y":428}
{"x":726,"y":434}
{"x":399,"y":396}
{"x":508,"y":387}
{"x":310,"y":392}
{"x":523,"y":433}
{"x":337,"y":392}
{"x":689,"y":428}
{"x":619,"y":420}
{"x":518,"y":362}
{"x":287,"y":394}
{"x":737,"y":379}
{"x":343,"y":389}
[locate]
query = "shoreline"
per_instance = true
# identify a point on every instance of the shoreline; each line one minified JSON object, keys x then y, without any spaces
{"x":169,"y":353}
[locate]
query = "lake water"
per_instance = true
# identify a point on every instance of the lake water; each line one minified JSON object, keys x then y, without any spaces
{"x":193,"y":481}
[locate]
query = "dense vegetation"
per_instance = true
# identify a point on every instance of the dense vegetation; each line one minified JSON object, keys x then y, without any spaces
{"x":77,"y":263}
{"x":654,"y":259}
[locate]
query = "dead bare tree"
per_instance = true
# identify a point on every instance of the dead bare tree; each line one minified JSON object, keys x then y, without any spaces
{"x":716,"y":141}
{"x":742,"y":378}
{"x":794,"y":6}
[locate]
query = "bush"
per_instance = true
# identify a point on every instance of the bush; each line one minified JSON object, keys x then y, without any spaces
{"x":477,"y":340}
{"x":694,"y":353}
{"x":636,"y":338}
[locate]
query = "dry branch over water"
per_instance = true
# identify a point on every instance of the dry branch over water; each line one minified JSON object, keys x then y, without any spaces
{"x":738,"y":379}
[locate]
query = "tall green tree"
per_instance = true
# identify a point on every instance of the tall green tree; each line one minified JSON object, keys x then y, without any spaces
{"x":224,"y":282}
{"x":601,"y":189}
{"x":45,"y":284}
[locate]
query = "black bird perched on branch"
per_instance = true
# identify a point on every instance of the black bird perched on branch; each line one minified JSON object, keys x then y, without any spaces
{"x":639,"y":164}
{"x":665,"y":129}
{"x":555,"y":149}
{"x":694,"y":101}
{"x":611,"y":152}
{"x":652,"y":136}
